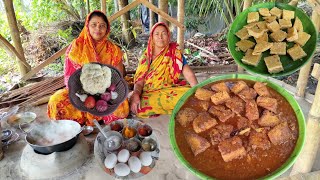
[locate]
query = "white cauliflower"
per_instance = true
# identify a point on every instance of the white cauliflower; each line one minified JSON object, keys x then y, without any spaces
{"x":95,"y":78}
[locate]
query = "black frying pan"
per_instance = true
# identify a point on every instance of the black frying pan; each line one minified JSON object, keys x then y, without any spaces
{"x":53,"y":136}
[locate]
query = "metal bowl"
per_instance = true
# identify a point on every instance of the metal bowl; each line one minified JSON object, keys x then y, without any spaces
{"x":22,"y":118}
{"x":149,"y":144}
{"x":133,"y":145}
{"x":87,"y":130}
{"x":6,"y":135}
{"x":113,"y":141}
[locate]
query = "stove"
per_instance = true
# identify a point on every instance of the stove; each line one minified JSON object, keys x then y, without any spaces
{"x":57,"y":164}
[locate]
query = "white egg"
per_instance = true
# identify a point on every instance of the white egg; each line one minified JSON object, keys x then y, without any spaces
{"x":110,"y":161}
{"x":123,"y":155}
{"x":122,"y":169}
{"x":134,"y":164}
{"x":145,"y":158}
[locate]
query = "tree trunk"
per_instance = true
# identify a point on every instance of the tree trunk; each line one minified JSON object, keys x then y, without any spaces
{"x":82,"y":10}
{"x":88,"y":6}
{"x":163,"y":5}
{"x":126,"y":25}
{"x":151,"y":17}
{"x":181,"y":20}
{"x":12,"y":21}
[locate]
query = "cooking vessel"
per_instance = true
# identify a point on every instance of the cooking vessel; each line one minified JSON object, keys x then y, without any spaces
{"x":53,"y":136}
{"x":294,"y":104}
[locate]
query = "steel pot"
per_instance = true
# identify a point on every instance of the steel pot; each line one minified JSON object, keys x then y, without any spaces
{"x":53,"y":136}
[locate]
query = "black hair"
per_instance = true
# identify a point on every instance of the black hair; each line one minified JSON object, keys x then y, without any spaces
{"x":99,"y":14}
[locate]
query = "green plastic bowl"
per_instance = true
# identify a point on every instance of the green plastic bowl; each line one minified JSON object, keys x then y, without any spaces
{"x":279,"y":89}
{"x":288,"y":64}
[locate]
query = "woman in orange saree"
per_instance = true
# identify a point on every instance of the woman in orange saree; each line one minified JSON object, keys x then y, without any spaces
{"x":157,"y":86}
{"x":92,"y":45}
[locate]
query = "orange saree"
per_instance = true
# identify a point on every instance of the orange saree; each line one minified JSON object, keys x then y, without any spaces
{"x":81,"y":51}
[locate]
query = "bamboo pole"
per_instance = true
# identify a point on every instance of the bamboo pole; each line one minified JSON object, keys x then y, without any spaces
{"x":305,"y":70}
{"x":180,"y":15}
{"x":44,"y":64}
{"x":308,"y":154}
{"x":246,"y":4}
{"x":103,"y":6}
{"x":163,"y":6}
{"x":13,"y":50}
{"x":14,"y":31}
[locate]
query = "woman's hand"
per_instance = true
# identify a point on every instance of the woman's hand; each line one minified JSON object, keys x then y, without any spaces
{"x":189,"y":75}
{"x":135,"y":102}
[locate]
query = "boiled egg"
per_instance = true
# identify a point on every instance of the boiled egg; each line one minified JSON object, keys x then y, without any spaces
{"x":121,"y":169}
{"x":145,"y":158}
{"x":134,"y":164}
{"x":123,"y":155}
{"x":110,"y":161}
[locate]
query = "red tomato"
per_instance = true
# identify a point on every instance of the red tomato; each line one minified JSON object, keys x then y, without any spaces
{"x":90,"y":102}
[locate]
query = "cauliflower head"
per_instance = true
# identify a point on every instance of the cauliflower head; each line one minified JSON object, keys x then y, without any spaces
{"x":95,"y":79}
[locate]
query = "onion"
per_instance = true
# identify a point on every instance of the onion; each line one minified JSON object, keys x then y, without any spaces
{"x":106,"y":96}
{"x":112,"y":87}
{"x":101,"y":105}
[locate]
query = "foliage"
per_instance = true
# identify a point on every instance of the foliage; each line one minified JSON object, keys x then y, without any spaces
{"x":4,"y":26}
{"x":7,"y":65}
{"x":56,"y":67}
{"x":64,"y":36}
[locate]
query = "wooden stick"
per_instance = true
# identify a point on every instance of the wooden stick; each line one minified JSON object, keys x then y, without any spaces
{"x":41,"y":101}
{"x":202,"y":49}
{"x":24,"y":90}
{"x":44,"y":64}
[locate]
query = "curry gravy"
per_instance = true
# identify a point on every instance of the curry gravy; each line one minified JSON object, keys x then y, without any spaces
{"x":257,"y":163}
